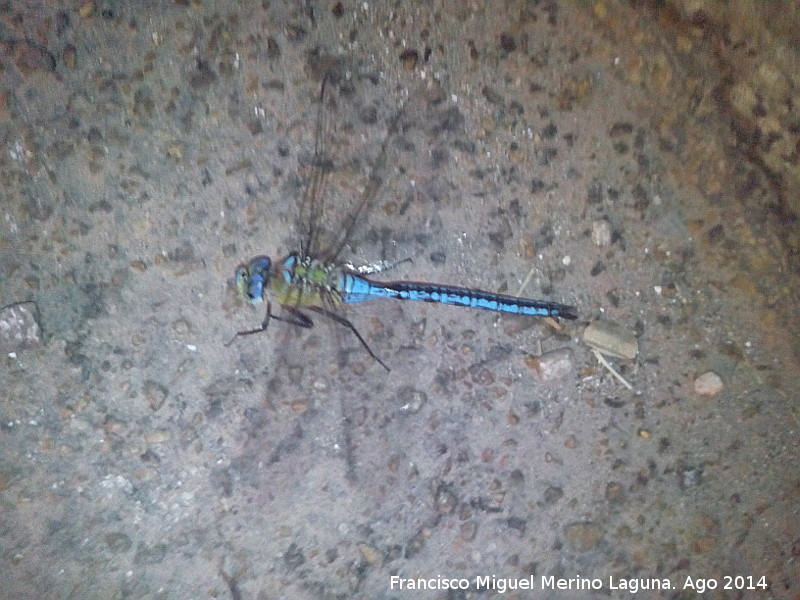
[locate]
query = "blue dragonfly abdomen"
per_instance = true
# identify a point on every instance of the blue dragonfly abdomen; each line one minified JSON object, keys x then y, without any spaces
{"x":355,"y":288}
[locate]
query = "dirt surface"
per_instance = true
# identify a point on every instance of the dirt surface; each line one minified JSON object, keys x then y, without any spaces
{"x":635,"y":160}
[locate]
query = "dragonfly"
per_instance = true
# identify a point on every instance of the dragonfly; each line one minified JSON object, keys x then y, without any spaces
{"x":314,"y":280}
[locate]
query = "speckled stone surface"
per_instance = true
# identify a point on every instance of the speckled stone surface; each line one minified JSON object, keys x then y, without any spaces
{"x":636,"y":160}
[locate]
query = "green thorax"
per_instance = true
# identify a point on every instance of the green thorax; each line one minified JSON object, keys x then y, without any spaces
{"x":306,"y":282}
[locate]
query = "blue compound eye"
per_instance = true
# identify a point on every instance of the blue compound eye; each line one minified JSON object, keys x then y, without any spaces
{"x":260,"y":266}
{"x":255,"y":290}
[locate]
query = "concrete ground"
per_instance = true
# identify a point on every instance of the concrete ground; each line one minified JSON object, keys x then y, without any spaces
{"x":636,"y":160}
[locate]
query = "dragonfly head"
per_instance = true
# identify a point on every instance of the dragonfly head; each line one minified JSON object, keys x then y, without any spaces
{"x":252,"y":279}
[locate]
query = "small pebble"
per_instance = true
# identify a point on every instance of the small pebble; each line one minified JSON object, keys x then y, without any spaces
{"x":517,"y":525}
{"x":68,"y":56}
{"x":33,"y":57}
{"x":610,"y":338}
{"x":689,"y":476}
{"x":708,"y":384}
{"x":614,"y":492}
{"x":19,"y":328}
{"x":157,"y":437}
{"x":411,"y":400}
{"x":370,"y":553}
{"x":703,"y":544}
{"x":552,"y":365}
{"x":86,"y":9}
{"x":601,"y":233}
{"x":149,"y":555}
{"x":118,"y":542}
{"x":299,"y":406}
{"x":582,"y":537}
{"x":409,"y":58}
{"x":468,"y":531}
{"x":445,"y":500}
{"x":552,"y":495}
{"x":156,"y":394}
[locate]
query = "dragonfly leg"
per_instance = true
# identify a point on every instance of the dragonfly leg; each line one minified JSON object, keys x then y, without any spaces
{"x":267,"y":318}
{"x":299,"y":318}
{"x":342,"y":321}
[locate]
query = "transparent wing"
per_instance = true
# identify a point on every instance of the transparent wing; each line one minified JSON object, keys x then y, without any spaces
{"x":366,"y":199}
{"x":362,"y":207}
{"x":321,"y":236}
{"x":311,"y":213}
{"x":328,"y":215}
